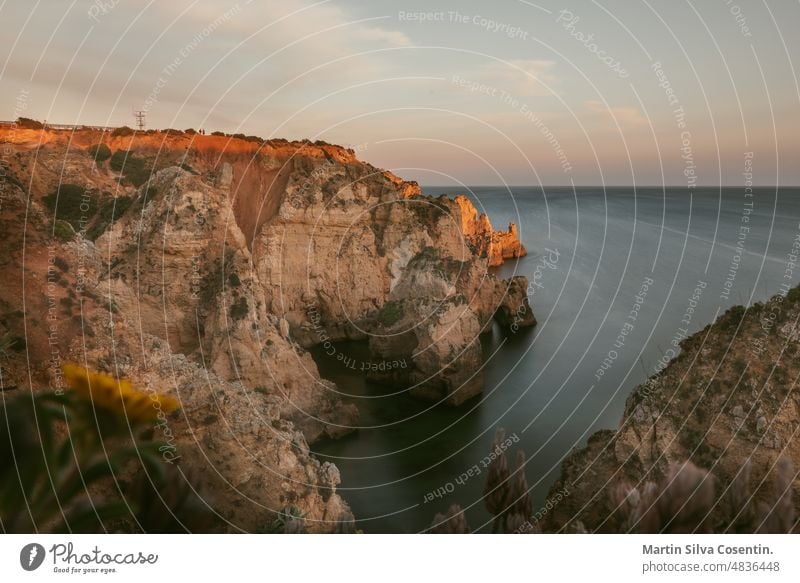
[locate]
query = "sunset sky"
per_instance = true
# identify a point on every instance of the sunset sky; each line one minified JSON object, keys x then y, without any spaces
{"x":449,"y":92}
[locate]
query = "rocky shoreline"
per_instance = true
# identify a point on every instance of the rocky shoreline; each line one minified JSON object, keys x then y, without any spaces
{"x":713,"y":435}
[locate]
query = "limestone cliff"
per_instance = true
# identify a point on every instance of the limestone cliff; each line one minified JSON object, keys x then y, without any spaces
{"x":207,"y":264}
{"x":728,"y":403}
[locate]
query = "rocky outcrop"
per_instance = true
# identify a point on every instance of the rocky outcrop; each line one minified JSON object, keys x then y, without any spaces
{"x":728,"y":403}
{"x":514,"y":311}
{"x":497,"y":246}
{"x":433,"y":320}
{"x":441,"y":342}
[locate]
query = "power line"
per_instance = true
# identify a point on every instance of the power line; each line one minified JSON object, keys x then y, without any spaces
{"x":140,"y":119}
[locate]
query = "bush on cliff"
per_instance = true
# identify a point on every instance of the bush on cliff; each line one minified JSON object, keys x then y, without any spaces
{"x":110,"y":212}
{"x":390,"y":313}
{"x":123,"y":131}
{"x":100,"y":152}
{"x":10,"y":343}
{"x":62,"y":230}
{"x":71,"y":203}
{"x":133,"y":169}
{"x":29,"y":124}
{"x":239,"y":309}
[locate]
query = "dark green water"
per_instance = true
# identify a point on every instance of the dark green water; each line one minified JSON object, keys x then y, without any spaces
{"x":543,"y":386}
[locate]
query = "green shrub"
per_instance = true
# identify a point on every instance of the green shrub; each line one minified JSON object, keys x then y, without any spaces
{"x":6,"y":175}
{"x":731,"y":319}
{"x":427,"y":254}
{"x":118,"y":160}
{"x":61,"y":263}
{"x":5,"y":345}
{"x":110,"y":212}
{"x":100,"y":152}
{"x":239,"y":309}
{"x":739,"y":364}
{"x":29,"y":124}
{"x":133,"y":169}
{"x":391,"y":313}
{"x":122,"y":132}
{"x":70,"y":204}
{"x":18,"y":343}
{"x":62,"y":230}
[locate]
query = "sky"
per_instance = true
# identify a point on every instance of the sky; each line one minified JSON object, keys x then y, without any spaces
{"x":511,"y":92}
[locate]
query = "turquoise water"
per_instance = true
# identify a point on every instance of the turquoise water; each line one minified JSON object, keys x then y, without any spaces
{"x":681,"y":257}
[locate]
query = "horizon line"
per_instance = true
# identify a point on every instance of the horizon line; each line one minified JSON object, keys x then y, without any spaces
{"x":682,"y":186}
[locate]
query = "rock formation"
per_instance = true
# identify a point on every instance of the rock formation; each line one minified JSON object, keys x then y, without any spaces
{"x":728,"y":403}
{"x":514,"y":311}
{"x":207,"y":264}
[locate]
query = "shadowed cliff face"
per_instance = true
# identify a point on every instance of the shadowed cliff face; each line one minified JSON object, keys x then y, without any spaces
{"x":206,"y":264}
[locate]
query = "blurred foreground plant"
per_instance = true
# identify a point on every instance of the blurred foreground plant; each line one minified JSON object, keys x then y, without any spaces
{"x":79,"y":461}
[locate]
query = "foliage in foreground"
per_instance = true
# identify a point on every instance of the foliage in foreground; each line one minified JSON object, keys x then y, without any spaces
{"x":81,"y":462}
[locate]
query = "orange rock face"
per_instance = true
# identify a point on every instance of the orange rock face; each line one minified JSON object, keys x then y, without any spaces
{"x":497,"y":246}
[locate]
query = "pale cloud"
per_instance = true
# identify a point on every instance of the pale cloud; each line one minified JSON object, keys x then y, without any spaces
{"x":384,"y":36}
{"x":520,"y":77}
{"x":278,"y":24}
{"x":625,"y":116}
{"x":299,"y":50}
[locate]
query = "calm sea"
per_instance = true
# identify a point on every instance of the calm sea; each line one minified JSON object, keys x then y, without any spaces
{"x":653,"y":263}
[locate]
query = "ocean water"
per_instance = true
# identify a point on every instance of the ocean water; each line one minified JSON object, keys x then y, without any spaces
{"x":620,"y":274}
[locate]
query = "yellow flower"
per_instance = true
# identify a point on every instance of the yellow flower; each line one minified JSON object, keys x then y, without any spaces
{"x":117,"y":395}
